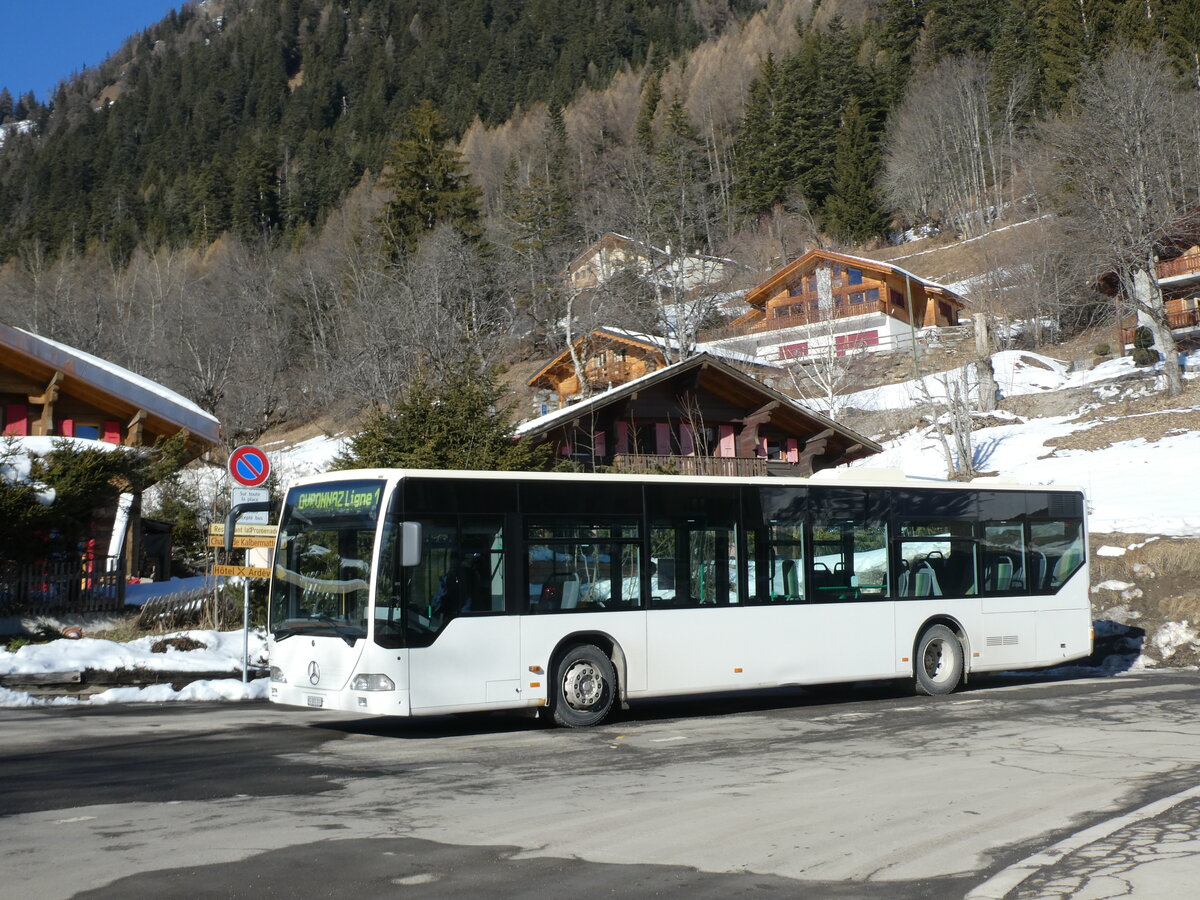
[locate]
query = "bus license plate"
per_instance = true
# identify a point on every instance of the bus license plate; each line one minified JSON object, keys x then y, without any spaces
{"x":316,"y":701}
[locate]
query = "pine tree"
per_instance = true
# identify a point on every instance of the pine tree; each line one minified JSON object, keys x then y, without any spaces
{"x":899,"y":30}
{"x":1181,"y":37}
{"x":1018,"y":55}
{"x":759,"y":162}
{"x":452,"y":423}
{"x":853,"y":213}
{"x":651,"y":95}
{"x":427,"y":183}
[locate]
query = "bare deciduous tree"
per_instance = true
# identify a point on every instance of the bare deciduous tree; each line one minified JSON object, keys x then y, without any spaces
{"x":1127,"y":167}
{"x":948,"y":153}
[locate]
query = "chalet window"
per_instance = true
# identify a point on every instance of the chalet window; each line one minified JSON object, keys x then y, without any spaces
{"x":87,"y":431}
{"x":810,"y":284}
{"x":814,"y":304}
{"x":837,"y":276}
{"x":873,"y":295}
{"x":796,"y":289}
{"x":897,"y":298}
{"x":856,"y":297}
{"x":854,"y":276}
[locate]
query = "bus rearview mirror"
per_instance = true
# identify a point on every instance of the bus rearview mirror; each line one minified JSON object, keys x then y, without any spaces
{"x":410,"y":543}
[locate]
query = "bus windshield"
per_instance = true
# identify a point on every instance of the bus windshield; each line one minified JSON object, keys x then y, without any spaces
{"x":321,"y":580}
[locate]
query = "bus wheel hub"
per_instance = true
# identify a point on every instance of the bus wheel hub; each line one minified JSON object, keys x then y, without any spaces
{"x":582,"y":685}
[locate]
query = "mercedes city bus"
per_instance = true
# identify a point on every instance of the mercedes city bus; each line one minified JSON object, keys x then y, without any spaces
{"x":405,"y":592}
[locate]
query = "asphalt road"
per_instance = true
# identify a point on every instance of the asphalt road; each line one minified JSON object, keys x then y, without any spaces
{"x":1084,"y":788}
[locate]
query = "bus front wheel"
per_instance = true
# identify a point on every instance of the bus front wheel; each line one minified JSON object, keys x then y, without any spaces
{"x":584,"y":686}
{"x":939,"y":661}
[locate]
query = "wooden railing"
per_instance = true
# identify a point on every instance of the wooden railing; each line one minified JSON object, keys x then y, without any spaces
{"x":844,"y":311}
{"x":1189,"y":318}
{"x":651,"y":464}
{"x":1181,"y":265}
{"x":63,"y":587}
{"x":610,"y":373}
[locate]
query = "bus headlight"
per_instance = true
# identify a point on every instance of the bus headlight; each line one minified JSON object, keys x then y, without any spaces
{"x":277,"y":675}
{"x":372,"y":683}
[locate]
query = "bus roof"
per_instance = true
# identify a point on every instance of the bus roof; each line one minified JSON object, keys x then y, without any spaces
{"x":858,"y":476}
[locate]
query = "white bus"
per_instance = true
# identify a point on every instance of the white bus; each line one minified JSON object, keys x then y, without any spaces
{"x":404,"y":592}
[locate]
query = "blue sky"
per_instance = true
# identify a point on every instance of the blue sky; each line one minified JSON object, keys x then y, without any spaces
{"x":47,"y":40}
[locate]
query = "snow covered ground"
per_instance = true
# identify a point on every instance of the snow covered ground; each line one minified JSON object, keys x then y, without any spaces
{"x":1133,"y":487}
{"x":221,"y":651}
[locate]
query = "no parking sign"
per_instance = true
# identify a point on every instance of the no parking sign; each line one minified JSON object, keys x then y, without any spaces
{"x":249,"y":466}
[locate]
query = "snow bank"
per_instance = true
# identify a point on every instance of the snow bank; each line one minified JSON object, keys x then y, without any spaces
{"x":222,"y":652}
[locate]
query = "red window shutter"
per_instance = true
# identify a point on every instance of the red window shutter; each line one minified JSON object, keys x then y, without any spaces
{"x":793,"y":450}
{"x":66,"y":427}
{"x":762,"y":447}
{"x":662,"y":439}
{"x":564,"y":449}
{"x":728,"y":446}
{"x":622,"y":437}
{"x":599,"y":444}
{"x":16,"y":419}
{"x":112,"y":433}
{"x":687,"y":443}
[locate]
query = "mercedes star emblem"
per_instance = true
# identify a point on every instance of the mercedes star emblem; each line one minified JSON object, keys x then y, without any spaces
{"x":314,"y":672}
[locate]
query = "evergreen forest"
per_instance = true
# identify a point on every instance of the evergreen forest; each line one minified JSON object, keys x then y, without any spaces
{"x":392,"y":188}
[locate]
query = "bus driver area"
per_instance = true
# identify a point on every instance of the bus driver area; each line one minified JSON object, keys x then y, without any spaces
{"x":411,"y":593}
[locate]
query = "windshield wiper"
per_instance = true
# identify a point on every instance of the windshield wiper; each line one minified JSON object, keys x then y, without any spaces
{"x":345,"y":632}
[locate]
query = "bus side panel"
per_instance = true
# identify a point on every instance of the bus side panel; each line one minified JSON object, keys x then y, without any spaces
{"x":694,"y":649}
{"x":820,"y":642}
{"x":540,"y":634}
{"x":475,"y":662}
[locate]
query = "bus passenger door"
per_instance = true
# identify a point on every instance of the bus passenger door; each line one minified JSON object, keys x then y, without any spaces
{"x":464,"y":651}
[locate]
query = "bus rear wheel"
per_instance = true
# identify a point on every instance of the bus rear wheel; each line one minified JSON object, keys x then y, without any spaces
{"x":584,"y":687}
{"x":938,"y":661}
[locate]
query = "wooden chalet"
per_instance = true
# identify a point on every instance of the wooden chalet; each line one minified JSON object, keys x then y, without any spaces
{"x":48,"y":390}
{"x":701,"y":416}
{"x":612,"y":254}
{"x":613,"y":356}
{"x":827,"y":300}
{"x":1179,"y":280}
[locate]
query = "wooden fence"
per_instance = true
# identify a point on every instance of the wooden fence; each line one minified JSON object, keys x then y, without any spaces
{"x":63,"y":587}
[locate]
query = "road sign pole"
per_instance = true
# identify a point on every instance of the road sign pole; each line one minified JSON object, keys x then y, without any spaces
{"x":246,"y":626}
{"x":231,"y":520}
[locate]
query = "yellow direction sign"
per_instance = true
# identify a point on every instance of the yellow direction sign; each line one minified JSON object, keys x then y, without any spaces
{"x":242,"y":571}
{"x":217,"y":529}
{"x":243,"y":541}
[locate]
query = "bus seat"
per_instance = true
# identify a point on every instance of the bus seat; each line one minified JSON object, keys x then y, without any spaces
{"x":1000,"y":575}
{"x":1067,"y":563}
{"x":1038,"y":576}
{"x":791,"y":578}
{"x":560,"y":591}
{"x":925,"y":581}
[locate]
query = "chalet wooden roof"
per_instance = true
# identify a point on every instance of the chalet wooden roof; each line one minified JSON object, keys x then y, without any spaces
{"x":789,"y":274}
{"x":707,"y":373}
{"x":108,"y":387}
{"x":648,"y":343}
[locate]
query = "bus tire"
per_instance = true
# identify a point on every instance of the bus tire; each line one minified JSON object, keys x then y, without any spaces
{"x":938,"y":663}
{"x":585,"y":684}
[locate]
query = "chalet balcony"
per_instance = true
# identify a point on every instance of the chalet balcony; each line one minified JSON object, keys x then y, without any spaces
{"x":613,"y":373}
{"x":1182,"y":265}
{"x":652,"y":464}
{"x":846,"y":311}
{"x":1181,"y":321}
